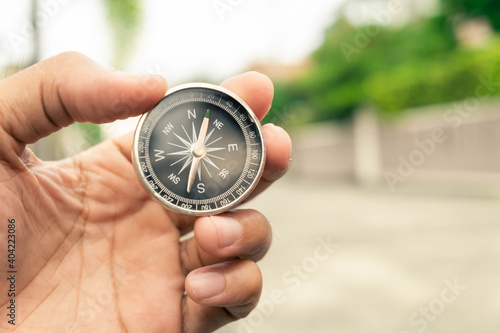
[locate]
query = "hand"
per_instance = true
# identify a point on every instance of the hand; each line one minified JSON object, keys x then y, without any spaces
{"x":93,"y":252}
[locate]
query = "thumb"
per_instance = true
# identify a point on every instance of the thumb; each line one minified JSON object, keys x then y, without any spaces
{"x":66,"y":88}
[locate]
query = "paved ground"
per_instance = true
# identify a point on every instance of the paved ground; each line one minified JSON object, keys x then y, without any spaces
{"x":349,"y":260}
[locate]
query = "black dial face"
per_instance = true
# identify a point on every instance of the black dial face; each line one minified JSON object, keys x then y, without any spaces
{"x":200,"y":150}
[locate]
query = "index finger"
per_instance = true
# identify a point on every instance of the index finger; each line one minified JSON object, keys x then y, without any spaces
{"x":255,"y":89}
{"x":66,"y":88}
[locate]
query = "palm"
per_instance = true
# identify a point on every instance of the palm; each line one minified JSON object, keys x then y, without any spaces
{"x":112,"y":255}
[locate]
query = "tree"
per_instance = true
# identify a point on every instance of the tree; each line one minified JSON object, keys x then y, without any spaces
{"x":351,"y":57}
{"x":395,"y":68}
{"x":467,"y":9}
{"x":124,"y":18}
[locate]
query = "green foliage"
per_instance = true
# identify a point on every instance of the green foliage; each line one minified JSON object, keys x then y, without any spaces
{"x":466,"y":9}
{"x":353,"y":61}
{"x":287,"y":98}
{"x":92,"y":133}
{"x":431,"y":81}
{"x":124,"y":17}
{"x":395,"y":68}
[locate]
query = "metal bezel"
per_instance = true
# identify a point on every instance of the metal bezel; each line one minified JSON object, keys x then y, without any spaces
{"x":165,"y":203}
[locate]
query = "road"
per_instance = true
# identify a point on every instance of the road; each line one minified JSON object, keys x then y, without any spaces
{"x":353,"y":260}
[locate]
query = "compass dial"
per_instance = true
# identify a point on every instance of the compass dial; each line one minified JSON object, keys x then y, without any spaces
{"x":200,"y":150}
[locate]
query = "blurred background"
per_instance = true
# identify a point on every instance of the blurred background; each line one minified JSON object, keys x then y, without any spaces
{"x":390,"y":216}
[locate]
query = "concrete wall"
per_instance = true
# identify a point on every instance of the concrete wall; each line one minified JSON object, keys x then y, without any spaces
{"x":456,"y":143}
{"x":324,"y":151}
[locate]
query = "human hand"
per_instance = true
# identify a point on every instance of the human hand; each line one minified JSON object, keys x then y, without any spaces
{"x":94,"y":253}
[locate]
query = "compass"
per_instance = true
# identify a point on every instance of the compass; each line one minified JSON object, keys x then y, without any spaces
{"x":200,"y":150}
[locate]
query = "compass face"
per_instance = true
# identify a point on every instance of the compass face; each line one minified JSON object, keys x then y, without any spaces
{"x":200,"y":150}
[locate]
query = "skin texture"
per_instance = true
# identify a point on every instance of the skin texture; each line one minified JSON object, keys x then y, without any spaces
{"x":94,"y":253}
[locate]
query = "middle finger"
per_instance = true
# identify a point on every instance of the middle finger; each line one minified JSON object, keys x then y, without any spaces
{"x":242,"y":234}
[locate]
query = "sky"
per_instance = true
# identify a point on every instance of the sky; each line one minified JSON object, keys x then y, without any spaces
{"x":184,"y":41}
{"x":180,"y":40}
{"x":188,"y":40}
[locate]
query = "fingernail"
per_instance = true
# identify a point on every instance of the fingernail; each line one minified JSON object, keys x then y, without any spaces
{"x":207,"y":285}
{"x":278,"y":130}
{"x":272,"y":128}
{"x":229,"y":230}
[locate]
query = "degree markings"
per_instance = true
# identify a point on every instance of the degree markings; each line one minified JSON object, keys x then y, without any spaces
{"x":244,"y":125}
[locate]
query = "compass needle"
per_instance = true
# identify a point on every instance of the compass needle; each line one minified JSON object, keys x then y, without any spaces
{"x":210,"y":150}
{"x":200,"y":150}
{"x":194,"y":133}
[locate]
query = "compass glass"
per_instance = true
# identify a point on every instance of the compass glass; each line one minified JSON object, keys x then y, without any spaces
{"x":200,"y":150}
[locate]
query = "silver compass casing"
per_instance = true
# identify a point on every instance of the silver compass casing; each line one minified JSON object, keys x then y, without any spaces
{"x":165,"y":200}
